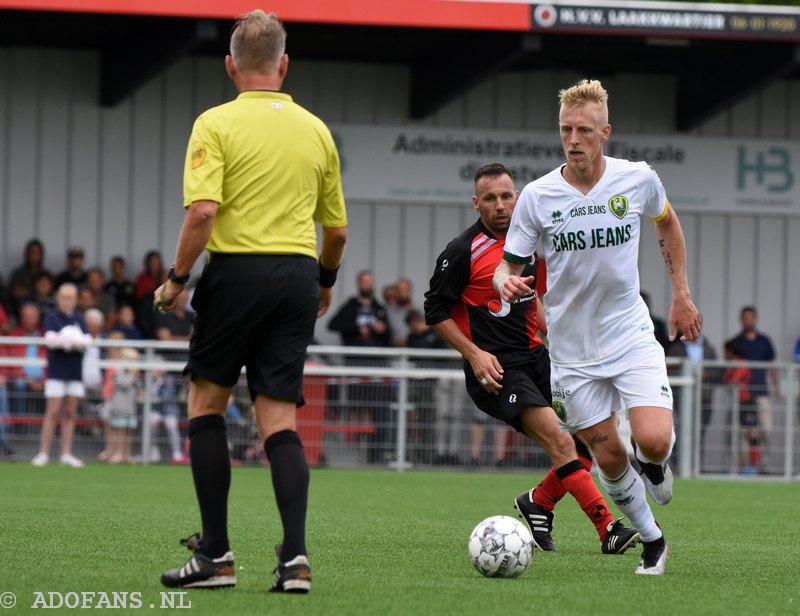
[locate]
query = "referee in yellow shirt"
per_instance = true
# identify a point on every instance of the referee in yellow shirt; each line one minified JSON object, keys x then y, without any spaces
{"x":260,"y":171}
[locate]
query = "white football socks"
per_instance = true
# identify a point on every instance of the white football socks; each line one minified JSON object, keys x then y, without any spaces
{"x":628,"y":492}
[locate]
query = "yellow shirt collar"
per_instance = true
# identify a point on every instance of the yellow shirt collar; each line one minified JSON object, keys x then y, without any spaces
{"x":265,"y":94}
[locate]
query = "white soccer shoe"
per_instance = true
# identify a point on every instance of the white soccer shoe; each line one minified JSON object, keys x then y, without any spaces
{"x":68,"y":459}
{"x":658,"y":478}
{"x":661,"y":493}
{"x":41,"y":459}
{"x":654,"y":557}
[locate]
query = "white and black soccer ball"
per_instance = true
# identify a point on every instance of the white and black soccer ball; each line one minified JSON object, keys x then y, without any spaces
{"x":501,"y":546}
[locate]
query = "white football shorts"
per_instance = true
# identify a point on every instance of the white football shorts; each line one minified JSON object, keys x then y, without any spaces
{"x":586,"y":395}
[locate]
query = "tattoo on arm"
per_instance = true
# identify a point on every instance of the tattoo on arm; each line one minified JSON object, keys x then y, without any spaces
{"x":598,"y":438}
{"x":667,"y":256}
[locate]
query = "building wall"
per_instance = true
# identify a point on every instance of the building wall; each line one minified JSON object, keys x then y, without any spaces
{"x":72,"y":172}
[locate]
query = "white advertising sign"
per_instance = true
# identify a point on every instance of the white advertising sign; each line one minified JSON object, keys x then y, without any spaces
{"x":424,"y":164}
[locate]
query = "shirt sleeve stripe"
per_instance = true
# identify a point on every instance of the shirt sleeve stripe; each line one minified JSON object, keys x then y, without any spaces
{"x":663,"y":212}
{"x":515,"y":259}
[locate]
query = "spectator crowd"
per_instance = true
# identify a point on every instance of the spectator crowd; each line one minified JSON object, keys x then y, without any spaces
{"x":35,"y":302}
{"x":68,"y":310}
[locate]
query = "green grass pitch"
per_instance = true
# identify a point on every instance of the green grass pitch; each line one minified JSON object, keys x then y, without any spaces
{"x":383,"y":542}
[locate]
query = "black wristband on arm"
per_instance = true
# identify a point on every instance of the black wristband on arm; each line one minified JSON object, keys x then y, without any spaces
{"x":327,"y":278}
{"x":171,"y":275}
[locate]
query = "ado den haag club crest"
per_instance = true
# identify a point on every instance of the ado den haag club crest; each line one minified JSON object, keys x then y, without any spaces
{"x":618,"y":206}
{"x":561,"y":412}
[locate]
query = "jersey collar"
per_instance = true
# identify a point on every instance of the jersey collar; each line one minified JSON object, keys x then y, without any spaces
{"x":485,"y":230}
{"x":265,"y":94}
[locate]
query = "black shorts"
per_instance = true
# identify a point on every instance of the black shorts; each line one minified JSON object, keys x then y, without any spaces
{"x":748,"y":416}
{"x":523,"y":385}
{"x":256,"y":311}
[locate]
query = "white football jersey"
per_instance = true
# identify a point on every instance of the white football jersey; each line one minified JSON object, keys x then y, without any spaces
{"x":591,"y":246}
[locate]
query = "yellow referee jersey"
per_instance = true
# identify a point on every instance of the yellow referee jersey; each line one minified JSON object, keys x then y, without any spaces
{"x":273,"y":168}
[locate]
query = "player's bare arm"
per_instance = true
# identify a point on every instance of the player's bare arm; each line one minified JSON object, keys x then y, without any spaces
{"x":508,"y":282}
{"x":195,"y":233}
{"x":541,"y":323}
{"x":484,"y":365}
{"x":333,"y":243}
{"x":683,"y":314}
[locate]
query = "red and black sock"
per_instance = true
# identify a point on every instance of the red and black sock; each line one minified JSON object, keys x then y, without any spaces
{"x":578,"y":482}
{"x":551,"y":489}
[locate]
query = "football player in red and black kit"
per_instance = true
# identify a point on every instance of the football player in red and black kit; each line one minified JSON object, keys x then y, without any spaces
{"x":506,"y":366}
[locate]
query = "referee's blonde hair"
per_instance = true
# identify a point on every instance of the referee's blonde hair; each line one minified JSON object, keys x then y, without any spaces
{"x":258,"y":40}
{"x":587,"y":93}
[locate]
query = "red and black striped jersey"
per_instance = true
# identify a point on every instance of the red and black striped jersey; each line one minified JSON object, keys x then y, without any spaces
{"x":461,"y":289}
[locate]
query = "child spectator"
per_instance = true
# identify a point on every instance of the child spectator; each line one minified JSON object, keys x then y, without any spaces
{"x":121,"y":390}
{"x":748,"y":413}
{"x":166,"y":411}
{"x":66,"y":338}
{"x":103,"y":409}
{"x":126,"y":324}
{"x":92,"y":373}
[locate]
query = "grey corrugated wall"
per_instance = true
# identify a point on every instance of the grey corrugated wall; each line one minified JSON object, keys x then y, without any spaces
{"x":72,"y":172}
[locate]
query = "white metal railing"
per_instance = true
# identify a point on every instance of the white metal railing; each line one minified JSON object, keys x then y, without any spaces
{"x":398,"y":365}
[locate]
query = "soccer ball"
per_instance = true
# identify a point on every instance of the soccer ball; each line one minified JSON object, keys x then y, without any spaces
{"x":500,"y":546}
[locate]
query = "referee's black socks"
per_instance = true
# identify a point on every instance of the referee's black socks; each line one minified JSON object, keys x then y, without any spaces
{"x":211,"y":469}
{"x":290,"y":477}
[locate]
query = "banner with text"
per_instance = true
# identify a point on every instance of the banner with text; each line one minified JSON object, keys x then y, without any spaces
{"x":423,"y":164}
{"x":743,"y":21}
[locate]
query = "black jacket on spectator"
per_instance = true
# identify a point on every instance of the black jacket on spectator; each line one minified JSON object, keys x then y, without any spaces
{"x":353,"y":315}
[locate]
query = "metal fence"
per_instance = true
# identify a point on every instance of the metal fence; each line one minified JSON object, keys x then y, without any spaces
{"x":732,"y":426}
{"x":399,"y":408}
